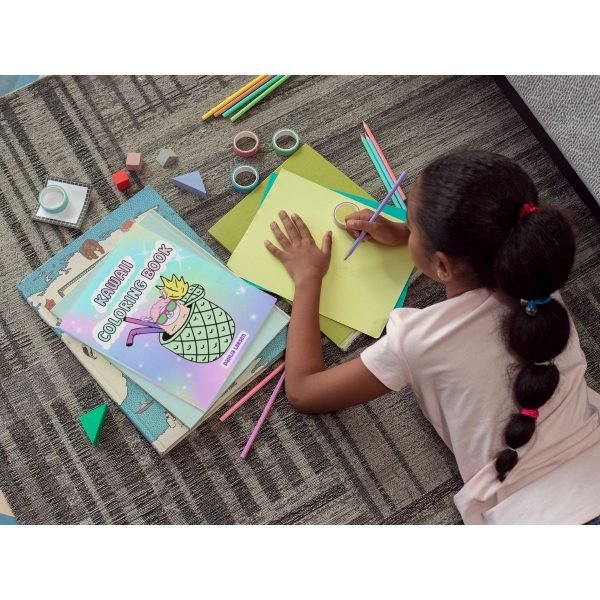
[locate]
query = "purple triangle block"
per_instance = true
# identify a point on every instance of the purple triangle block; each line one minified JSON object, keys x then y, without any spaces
{"x":191,"y":182}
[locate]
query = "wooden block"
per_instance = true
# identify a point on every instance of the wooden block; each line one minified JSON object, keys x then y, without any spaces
{"x":166,"y":157}
{"x":133,"y":161}
{"x":191,"y":182}
{"x":93,"y":421}
{"x":121,"y":180}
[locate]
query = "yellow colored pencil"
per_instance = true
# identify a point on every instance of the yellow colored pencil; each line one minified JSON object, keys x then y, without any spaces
{"x":213,"y":110}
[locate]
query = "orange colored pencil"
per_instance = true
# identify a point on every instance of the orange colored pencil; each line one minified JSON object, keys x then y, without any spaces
{"x":212,"y":111}
{"x":242,"y":96}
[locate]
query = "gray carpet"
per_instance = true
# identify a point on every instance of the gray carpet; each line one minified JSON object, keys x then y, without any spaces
{"x":568,"y":107}
{"x":381,"y":463}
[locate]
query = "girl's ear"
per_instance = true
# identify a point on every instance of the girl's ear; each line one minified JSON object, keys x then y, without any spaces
{"x":443,"y":267}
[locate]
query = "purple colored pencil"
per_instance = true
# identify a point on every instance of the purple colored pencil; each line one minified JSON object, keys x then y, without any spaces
{"x":262,"y":417}
{"x":379,"y":210}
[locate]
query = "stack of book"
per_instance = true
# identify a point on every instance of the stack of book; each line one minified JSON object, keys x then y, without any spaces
{"x":164,"y":327}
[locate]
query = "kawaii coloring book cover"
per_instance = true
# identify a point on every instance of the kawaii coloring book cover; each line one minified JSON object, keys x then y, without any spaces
{"x":167,"y":314}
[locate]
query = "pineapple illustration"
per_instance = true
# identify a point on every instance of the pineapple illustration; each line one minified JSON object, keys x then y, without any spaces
{"x":188,"y":323}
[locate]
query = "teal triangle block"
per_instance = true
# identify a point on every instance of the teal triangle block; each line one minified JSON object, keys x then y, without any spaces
{"x":191,"y":182}
{"x":93,"y":421}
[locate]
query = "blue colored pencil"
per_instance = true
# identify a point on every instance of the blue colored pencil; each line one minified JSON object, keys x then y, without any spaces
{"x":380,"y":208}
{"x":380,"y":168}
{"x":251,"y":97}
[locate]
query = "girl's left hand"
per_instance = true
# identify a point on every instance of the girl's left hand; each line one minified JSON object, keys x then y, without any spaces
{"x":299,"y":254}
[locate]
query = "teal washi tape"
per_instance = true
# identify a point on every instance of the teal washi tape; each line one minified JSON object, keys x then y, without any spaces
{"x":285,"y":133}
{"x":53,"y":199}
{"x":238,"y":187}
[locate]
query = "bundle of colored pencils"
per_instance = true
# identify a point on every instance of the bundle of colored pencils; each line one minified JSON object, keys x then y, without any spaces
{"x":382,"y":166}
{"x":239,"y":103}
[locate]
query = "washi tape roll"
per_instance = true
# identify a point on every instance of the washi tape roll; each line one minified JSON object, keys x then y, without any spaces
{"x":238,"y":187}
{"x":283,"y":133}
{"x":246,"y":135}
{"x":53,"y":199}
{"x":341,"y":211}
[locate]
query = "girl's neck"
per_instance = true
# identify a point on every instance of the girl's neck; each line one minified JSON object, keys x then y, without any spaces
{"x":457,"y":287}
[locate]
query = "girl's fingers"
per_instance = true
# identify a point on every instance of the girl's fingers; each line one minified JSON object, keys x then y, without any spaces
{"x":326,"y":244}
{"x":290,"y":228}
{"x":302,"y":228}
{"x":274,"y":250}
{"x":280,"y":236}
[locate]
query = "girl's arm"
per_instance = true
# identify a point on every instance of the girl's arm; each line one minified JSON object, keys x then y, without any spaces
{"x":309,"y":386}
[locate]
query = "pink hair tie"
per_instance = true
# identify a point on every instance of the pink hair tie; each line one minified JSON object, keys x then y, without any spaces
{"x":534,"y":413}
{"x":528,"y":208}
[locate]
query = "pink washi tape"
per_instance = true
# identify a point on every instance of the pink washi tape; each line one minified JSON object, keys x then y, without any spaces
{"x":244,"y":135}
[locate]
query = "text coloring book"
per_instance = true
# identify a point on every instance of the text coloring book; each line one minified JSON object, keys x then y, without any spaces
{"x":168,"y":314}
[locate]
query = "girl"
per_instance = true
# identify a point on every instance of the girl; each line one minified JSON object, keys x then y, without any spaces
{"x":497,"y":367}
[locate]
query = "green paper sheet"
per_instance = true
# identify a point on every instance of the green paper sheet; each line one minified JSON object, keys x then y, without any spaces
{"x":306,"y":162}
{"x":359,"y":292}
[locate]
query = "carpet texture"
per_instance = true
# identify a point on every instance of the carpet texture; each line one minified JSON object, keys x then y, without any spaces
{"x":568,"y":107}
{"x":380,"y":463}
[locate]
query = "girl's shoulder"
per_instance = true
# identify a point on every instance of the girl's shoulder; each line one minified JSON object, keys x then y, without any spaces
{"x":467,"y":303}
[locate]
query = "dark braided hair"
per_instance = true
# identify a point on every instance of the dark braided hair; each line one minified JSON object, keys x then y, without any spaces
{"x":469,"y":208}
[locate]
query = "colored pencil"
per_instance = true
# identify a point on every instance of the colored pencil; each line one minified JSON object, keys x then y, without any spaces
{"x":251,"y":393}
{"x":381,"y":206}
{"x":262,"y":417}
{"x":238,"y":105}
{"x":212,"y":111}
{"x":379,"y":167}
{"x":259,"y":98}
{"x":386,"y":164}
{"x":242,"y":96}
{"x":375,"y":156}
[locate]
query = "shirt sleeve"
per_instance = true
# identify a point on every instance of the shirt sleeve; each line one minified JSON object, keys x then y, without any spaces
{"x":386,"y":358}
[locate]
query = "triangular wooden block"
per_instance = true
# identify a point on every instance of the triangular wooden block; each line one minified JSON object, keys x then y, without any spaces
{"x":191,"y":182}
{"x":92,"y":422}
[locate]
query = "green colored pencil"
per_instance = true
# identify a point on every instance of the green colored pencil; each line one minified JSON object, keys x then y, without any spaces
{"x":378,"y":166}
{"x":259,"y":98}
{"x":238,"y":105}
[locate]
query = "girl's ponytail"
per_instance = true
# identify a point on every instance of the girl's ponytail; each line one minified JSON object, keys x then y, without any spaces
{"x":534,"y":261}
{"x":483,"y":208}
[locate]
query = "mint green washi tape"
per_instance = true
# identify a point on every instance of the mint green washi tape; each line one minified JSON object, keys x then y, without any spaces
{"x":53,"y":199}
{"x":285,"y":133}
{"x":238,"y":187}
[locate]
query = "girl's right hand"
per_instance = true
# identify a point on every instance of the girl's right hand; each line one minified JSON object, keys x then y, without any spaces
{"x":381,"y":230}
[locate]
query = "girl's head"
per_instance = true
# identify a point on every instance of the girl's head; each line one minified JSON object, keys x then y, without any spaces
{"x":469,"y":229}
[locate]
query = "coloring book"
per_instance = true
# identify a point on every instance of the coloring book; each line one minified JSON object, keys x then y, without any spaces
{"x":189,"y":414}
{"x":167,"y":314}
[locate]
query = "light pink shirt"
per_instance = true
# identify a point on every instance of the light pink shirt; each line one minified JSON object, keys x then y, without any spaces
{"x":453,"y":357}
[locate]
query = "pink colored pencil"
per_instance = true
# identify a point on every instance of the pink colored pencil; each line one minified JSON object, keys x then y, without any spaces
{"x":251,"y":393}
{"x":262,"y":417}
{"x":383,"y":158}
{"x":241,"y":96}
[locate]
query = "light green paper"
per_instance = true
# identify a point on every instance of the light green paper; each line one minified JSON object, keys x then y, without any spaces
{"x":308,"y":163}
{"x":359,"y":292}
{"x":393,"y":211}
